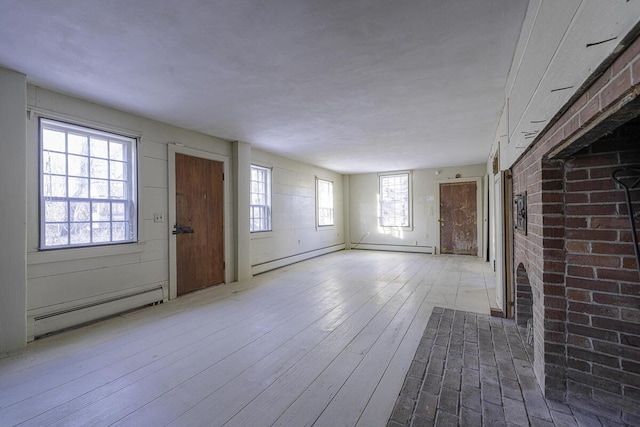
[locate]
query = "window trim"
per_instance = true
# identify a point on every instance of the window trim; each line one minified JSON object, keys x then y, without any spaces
{"x":133,"y":169}
{"x":409,"y":174}
{"x":268,"y":196}
{"x":333,"y":204}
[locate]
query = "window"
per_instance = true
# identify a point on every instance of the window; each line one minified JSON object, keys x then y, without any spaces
{"x":395,"y":200}
{"x":325,"y":202}
{"x":260,"y":204}
{"x":87,"y":187}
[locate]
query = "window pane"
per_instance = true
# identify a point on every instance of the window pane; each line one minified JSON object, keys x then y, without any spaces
{"x":117,"y":151}
{"x":78,"y":166}
{"x":80,"y":233}
{"x":99,"y":168}
{"x":117,"y":190}
{"x":54,"y":186}
{"x":78,"y":188}
{"x":56,"y":234}
{"x":118,"y":211}
{"x":117,"y":171}
{"x":53,"y":140}
{"x":55,"y":211}
{"x":55,"y":163}
{"x":78,"y":144}
{"x":118,"y":230}
{"x":101,"y":211}
{"x":99,"y":148}
{"x":80,"y":211}
{"x":101,"y":232}
{"x":99,"y":189}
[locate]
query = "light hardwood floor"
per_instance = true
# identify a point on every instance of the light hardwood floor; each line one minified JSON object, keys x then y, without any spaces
{"x":326,"y":342}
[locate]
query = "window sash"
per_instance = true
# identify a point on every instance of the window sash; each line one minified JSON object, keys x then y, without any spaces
{"x":395,"y":200}
{"x":87,"y":187}
{"x":325,"y":203}
{"x":260,"y":199}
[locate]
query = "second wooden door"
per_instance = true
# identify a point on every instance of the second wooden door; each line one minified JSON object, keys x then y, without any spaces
{"x":458,"y":218}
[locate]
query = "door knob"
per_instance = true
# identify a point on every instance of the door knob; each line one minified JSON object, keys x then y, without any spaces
{"x":182,"y":229}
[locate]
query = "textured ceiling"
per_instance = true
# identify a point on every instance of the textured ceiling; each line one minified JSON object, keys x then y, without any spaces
{"x":354,"y":86}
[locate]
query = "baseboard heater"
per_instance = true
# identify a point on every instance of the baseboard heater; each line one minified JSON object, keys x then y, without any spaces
{"x":44,"y":324}
{"x":281,"y":262}
{"x":431,"y":250}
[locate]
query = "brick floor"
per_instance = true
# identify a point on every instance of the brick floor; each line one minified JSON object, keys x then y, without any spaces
{"x":474,"y":370}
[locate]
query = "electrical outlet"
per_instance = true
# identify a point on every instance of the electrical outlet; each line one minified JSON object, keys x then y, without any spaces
{"x":158,"y":217}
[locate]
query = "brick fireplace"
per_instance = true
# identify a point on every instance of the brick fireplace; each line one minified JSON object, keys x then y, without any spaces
{"x":575,"y":268}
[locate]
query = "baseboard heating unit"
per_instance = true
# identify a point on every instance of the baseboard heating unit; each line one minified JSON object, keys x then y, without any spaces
{"x":46,"y":323}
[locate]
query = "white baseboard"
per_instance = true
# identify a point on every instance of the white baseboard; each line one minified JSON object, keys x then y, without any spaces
{"x":39,"y":324}
{"x":272,"y":265}
{"x":394,"y":248}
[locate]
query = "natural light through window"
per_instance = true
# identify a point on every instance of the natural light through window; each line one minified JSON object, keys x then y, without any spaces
{"x":394,"y":200}
{"x":88,"y":186}
{"x":325,"y":202}
{"x":260,"y":206}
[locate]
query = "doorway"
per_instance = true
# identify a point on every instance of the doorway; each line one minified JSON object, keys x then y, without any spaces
{"x":459,"y":218}
{"x":198,"y":212}
{"x":199,"y":223}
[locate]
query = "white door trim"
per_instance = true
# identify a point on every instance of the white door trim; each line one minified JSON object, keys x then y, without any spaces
{"x":172,"y":150}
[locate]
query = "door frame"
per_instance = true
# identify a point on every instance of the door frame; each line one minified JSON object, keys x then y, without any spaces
{"x":507,"y":242}
{"x":172,"y":150}
{"x":479,"y":210}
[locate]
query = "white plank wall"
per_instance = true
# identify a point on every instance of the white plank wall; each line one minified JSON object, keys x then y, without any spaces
{"x":325,"y":342}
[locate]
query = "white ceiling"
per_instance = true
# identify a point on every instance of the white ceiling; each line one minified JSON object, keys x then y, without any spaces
{"x":352,"y":85}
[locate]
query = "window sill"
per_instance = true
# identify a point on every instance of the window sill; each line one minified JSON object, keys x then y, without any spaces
{"x":61,"y":255}
{"x":397,"y":227}
{"x":325,"y":227}
{"x":261,"y":234}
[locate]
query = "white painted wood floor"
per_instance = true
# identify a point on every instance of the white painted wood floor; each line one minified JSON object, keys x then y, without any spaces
{"x":326,"y":342}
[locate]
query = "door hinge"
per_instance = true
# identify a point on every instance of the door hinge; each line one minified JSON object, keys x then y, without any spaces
{"x":224,"y":265}
{"x":223,"y":176}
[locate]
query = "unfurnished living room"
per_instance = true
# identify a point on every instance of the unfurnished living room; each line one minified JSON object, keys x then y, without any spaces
{"x":328,"y":213}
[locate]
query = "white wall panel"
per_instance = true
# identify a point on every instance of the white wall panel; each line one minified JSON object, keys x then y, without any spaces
{"x":154,"y":172}
{"x":294,"y":211}
{"x":549,"y":27}
{"x":155,"y":200}
{"x":556,"y":56}
{"x":99,"y":273}
{"x":13,"y":209}
{"x":364,"y":189}
{"x":154,"y":150}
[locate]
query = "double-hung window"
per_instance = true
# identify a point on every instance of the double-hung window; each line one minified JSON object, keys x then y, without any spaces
{"x":88,"y":186}
{"x":324,"y":191}
{"x":395,"y":200}
{"x":260,"y":203}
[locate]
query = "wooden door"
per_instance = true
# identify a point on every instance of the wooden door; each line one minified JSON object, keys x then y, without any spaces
{"x":458,"y":218}
{"x":199,"y":223}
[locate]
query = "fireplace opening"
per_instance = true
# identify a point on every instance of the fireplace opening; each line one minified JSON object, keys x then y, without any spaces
{"x":524,"y":298}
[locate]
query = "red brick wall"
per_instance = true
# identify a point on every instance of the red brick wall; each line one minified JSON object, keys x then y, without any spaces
{"x":602,"y":279}
{"x":565,"y":354}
